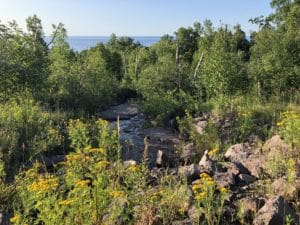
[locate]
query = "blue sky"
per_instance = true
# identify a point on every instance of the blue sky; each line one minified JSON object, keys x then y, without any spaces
{"x":133,"y":17}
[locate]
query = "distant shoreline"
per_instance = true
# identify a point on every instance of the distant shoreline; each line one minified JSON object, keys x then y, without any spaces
{"x":79,"y":43}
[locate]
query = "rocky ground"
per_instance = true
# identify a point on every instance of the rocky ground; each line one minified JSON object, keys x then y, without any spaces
{"x":241,"y":169}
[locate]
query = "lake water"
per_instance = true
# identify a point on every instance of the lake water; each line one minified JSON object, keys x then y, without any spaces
{"x":79,"y":43}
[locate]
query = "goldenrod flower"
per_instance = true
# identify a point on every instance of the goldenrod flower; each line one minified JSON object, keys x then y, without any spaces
{"x":116,"y":194}
{"x":196,"y":187}
{"x":210,"y":183}
{"x":280,"y":123}
{"x":223,"y":190}
{"x":43,"y":185}
{"x":102,"y":164}
{"x":213,"y":152}
{"x":200,"y":196}
{"x":95,"y":150}
{"x":181,"y":210}
{"x":82,"y":183}
{"x":133,"y":168}
{"x":66,"y":202}
{"x":15,"y":219}
{"x":204,"y":176}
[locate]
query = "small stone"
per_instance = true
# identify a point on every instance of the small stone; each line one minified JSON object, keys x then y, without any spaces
{"x":128,"y":163}
{"x":206,"y":164}
{"x":200,"y":126}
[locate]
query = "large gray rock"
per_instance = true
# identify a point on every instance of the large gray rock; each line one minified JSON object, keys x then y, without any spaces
{"x":242,"y":153}
{"x":123,"y":111}
{"x":190,"y":172}
{"x":281,"y":187}
{"x":275,"y":144}
{"x":224,"y":179}
{"x":236,"y":168}
{"x":274,"y":212}
{"x":238,"y":152}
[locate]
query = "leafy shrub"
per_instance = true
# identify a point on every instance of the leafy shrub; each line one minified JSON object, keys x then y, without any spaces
{"x":289,"y":128}
{"x":26,"y":130}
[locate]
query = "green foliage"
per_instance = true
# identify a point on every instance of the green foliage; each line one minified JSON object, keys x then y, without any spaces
{"x":26,"y":130}
{"x":80,"y":81}
{"x":289,"y":128}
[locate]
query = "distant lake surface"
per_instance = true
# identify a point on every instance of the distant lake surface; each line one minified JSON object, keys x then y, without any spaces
{"x":79,"y":43}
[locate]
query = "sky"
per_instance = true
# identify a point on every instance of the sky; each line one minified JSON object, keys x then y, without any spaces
{"x":132,"y":17}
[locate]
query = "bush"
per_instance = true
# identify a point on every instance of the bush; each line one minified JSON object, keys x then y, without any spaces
{"x":25,"y":131}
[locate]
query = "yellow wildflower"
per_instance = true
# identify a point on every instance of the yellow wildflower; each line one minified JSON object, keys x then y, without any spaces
{"x":116,"y":194}
{"x":204,"y":176}
{"x":210,"y":183}
{"x":102,"y":164}
{"x":223,"y":190}
{"x":133,"y":168}
{"x":280,"y":123}
{"x":74,"y":157}
{"x":213,"y":152}
{"x":196,"y":187}
{"x":66,"y":202}
{"x":43,"y":185}
{"x":15,"y":219}
{"x":181,"y":210}
{"x":154,"y":196}
{"x":200,"y":196}
{"x":82,"y":183}
{"x":97,"y":150}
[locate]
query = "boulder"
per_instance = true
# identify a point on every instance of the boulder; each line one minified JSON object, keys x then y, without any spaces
{"x":206,"y":164}
{"x":275,"y":144}
{"x":190,"y":172}
{"x":236,"y":168}
{"x":123,"y":111}
{"x":238,"y":152}
{"x":274,"y":212}
{"x":281,"y":187}
{"x":242,"y":153}
{"x":224,"y":179}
